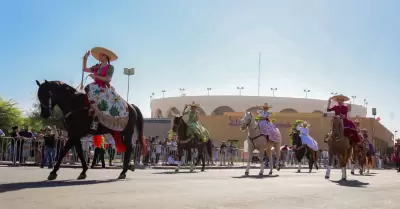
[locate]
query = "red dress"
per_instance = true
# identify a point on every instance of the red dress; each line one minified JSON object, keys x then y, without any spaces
{"x":349,"y":126}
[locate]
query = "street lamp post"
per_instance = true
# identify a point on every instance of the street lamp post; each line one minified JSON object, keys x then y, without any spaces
{"x":182,"y":90}
{"x":208,"y":91}
{"x":163,"y":92}
{"x":128,"y":72}
{"x":353,"y":97}
{"x":273,"y":91}
{"x":240,"y":90}
{"x":365,"y":102}
{"x":306,"y":91}
{"x":333,"y":93}
{"x":395,"y":133}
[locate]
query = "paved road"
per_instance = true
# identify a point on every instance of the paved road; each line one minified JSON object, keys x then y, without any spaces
{"x":24,"y":187}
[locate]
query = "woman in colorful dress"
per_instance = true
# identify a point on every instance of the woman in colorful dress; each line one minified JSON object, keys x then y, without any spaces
{"x":306,"y":139}
{"x":264,"y":123}
{"x":341,"y":110}
{"x":195,"y":128}
{"x":106,"y":105}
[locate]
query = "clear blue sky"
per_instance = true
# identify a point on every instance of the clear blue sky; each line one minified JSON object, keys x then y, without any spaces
{"x":350,"y":47}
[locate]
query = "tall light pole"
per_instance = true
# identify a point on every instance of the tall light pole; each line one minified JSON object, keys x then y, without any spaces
{"x":333,"y":93}
{"x":152,"y":96}
{"x":128,"y":72}
{"x":163,"y":92}
{"x":353,"y":97}
{"x":182,"y":90}
{"x":208,"y":91}
{"x":273,"y":91}
{"x":365,"y":102}
{"x":306,"y":91}
{"x":366,"y":105}
{"x":240,"y":90}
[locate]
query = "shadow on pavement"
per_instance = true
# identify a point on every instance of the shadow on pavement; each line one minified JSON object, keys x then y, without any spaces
{"x":48,"y":184}
{"x":255,"y":177}
{"x":351,"y":183}
{"x":173,"y":172}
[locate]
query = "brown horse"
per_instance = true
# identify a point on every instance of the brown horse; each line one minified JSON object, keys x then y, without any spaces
{"x":188,"y":144}
{"x":360,"y":151}
{"x":339,"y":145}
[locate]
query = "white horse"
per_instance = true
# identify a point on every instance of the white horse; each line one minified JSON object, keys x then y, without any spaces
{"x":258,"y":141}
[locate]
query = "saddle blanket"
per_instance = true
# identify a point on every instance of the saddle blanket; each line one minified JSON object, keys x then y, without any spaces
{"x":111,"y":110}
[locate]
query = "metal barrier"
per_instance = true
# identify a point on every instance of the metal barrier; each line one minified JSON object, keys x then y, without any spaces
{"x":31,"y":151}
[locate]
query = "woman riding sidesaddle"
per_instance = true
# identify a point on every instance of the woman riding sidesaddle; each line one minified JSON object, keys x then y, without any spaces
{"x":194,"y":127}
{"x":105,"y":103}
{"x":341,"y":110}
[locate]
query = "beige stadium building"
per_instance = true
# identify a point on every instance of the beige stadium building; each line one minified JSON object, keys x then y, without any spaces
{"x":221,"y":116}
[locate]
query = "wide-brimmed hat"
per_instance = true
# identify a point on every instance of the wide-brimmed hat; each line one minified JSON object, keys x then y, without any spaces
{"x":265,"y":105}
{"x":340,"y":97}
{"x":193,"y":104}
{"x":305,"y":123}
{"x":96,"y":51}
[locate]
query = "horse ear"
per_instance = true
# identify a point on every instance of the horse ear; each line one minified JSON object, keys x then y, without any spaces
{"x":37,"y":82}
{"x":45,"y":81}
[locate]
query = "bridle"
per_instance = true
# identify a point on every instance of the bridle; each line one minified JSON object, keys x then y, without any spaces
{"x":48,"y":107}
{"x":247,"y":125}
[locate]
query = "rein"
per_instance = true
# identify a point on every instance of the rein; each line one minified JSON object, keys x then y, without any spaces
{"x":252,"y":138}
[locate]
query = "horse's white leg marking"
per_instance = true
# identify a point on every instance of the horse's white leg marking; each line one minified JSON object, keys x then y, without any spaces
{"x":352,"y":167}
{"x":250,"y":157}
{"x":271,"y":160}
{"x":299,"y":168}
{"x":192,"y":167}
{"x":344,"y":173}
{"x":261,"y":156}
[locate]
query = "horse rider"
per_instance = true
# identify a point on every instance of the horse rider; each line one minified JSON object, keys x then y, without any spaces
{"x":105,"y":104}
{"x":267,"y":128}
{"x":341,"y":110}
{"x":306,"y":139}
{"x":194,"y":127}
{"x":363,"y":134}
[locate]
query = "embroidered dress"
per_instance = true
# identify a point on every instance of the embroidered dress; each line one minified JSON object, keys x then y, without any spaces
{"x":111,"y":110}
{"x":267,"y":127}
{"x":306,"y":139}
{"x":195,"y":128}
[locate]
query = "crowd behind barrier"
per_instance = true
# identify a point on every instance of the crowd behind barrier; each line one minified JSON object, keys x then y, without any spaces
{"x":31,"y":151}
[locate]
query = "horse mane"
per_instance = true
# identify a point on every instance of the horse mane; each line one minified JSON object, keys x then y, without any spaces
{"x":65,"y":86}
{"x":182,"y":125}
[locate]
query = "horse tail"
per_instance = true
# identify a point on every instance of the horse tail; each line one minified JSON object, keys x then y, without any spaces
{"x":139,"y":127}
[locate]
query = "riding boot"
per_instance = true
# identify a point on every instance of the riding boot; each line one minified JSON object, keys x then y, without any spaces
{"x":95,"y":124}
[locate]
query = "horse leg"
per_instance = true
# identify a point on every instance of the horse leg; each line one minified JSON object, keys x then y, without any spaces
{"x":203,"y":158}
{"x":299,"y":157}
{"x":328,"y":167}
{"x":79,"y":150}
{"x":65,"y":149}
{"x":311,"y":161}
{"x":182,"y":159}
{"x":271,"y":160}
{"x":250,"y":157}
{"x":277,"y":147}
{"x":262,"y":165}
{"x":191,"y":159}
{"x":127,"y":156}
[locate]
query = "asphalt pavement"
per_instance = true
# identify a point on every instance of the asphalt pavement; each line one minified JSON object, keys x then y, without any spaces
{"x":26,"y":188}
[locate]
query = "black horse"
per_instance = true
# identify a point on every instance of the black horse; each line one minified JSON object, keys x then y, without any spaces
{"x":77,"y":122}
{"x":304,"y":151}
{"x":187,"y":144}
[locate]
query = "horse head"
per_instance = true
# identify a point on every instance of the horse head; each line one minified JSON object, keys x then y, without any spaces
{"x":177,"y":122}
{"x":296,"y":139}
{"x":52,"y":93}
{"x":337,"y":127}
{"x":247,"y":120}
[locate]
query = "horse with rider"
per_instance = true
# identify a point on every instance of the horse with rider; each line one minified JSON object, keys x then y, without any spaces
{"x":99,"y":110}
{"x":191,"y":135}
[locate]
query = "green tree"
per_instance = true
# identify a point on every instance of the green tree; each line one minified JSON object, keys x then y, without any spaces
{"x":293,"y":129}
{"x":37,"y":121}
{"x":10,"y":115}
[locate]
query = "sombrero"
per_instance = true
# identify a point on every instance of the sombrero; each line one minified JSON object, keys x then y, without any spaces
{"x":193,"y":104}
{"x":96,"y":51}
{"x":266,"y":105}
{"x":340,"y":96}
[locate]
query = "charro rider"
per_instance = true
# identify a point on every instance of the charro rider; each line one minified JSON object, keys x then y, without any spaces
{"x":195,"y":128}
{"x":306,"y":139}
{"x":264,"y":123}
{"x":341,"y":110}
{"x":105,"y":103}
{"x":363,"y":134}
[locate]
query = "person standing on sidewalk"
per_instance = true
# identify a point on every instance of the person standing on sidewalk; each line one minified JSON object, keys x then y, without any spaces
{"x":49,"y":147}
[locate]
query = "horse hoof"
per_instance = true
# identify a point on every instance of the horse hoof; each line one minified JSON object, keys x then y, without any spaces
{"x":298,"y":171}
{"x":344,"y":179}
{"x":270,"y":173}
{"x":52,"y":177}
{"x":326,"y":177}
{"x":309,"y":171}
{"x":132,"y":168}
{"x":202,"y":170}
{"x":246,"y":173}
{"x":278,"y":168}
{"x":260,"y":174}
{"x":317,"y":168}
{"x":81,"y":176}
{"x":352,"y":173}
{"x":122,"y":176}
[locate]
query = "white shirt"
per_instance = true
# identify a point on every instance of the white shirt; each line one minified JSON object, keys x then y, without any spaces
{"x":303,"y":130}
{"x":111,"y":141}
